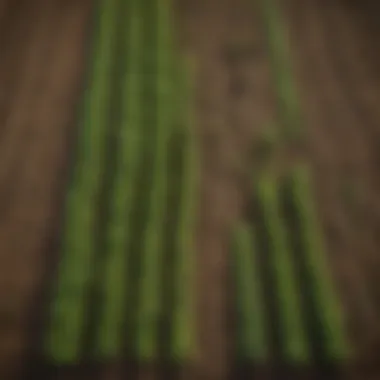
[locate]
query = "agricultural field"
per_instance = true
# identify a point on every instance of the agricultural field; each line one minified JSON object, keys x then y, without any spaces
{"x":189,"y":189}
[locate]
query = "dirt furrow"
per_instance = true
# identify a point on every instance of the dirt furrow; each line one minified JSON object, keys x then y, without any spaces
{"x":17,"y":129}
{"x":28,"y":226}
{"x":16,"y":32}
{"x":234,"y":102}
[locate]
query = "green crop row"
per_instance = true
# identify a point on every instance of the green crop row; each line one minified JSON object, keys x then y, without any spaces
{"x":114,"y":286}
{"x":183,"y":332}
{"x":151,"y":104}
{"x":287,"y":293}
{"x":287,"y":233}
{"x":149,"y":308}
{"x":279,"y":49}
{"x":75,"y":274}
{"x":289,"y":236}
{"x":252,"y":316}
{"x":298,"y":190}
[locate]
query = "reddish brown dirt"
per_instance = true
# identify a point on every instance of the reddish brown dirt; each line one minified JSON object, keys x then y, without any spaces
{"x":336,"y":64}
{"x":42,"y":45}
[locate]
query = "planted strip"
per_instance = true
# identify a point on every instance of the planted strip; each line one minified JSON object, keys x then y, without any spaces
{"x":309,"y":235}
{"x":183,"y":334}
{"x":252,"y":337}
{"x":294,"y":342}
{"x":149,"y":310}
{"x":281,"y":67}
{"x":63,"y":342}
{"x":114,"y":288}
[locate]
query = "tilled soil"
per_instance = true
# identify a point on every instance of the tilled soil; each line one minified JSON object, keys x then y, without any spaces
{"x":336,"y":64}
{"x":234,"y":101}
{"x":42,"y":51}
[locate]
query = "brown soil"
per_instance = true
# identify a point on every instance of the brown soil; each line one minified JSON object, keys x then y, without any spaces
{"x":234,"y":100}
{"x":336,"y":63}
{"x":42,"y":45}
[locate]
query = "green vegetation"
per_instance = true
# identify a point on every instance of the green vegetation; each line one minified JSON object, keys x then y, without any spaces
{"x":253,"y":340}
{"x":114,"y":285}
{"x":150,"y":98}
{"x":289,"y":110}
{"x":149,"y":311}
{"x":307,"y":229}
{"x":183,"y":333}
{"x":154,"y":100}
{"x":289,"y":240}
{"x":75,"y":276}
{"x":287,"y":292}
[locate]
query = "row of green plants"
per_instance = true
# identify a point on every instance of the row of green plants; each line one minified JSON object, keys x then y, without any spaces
{"x":307,"y":231}
{"x":287,"y":305}
{"x":279,"y":50}
{"x":129,"y":305}
{"x":114,"y":286}
{"x":267,"y":264}
{"x":251,"y":321}
{"x":275,"y":243}
{"x":68,"y":311}
{"x":149,"y":312}
{"x":183,"y":328}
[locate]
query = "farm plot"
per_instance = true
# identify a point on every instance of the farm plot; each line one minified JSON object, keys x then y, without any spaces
{"x":293,"y":318}
{"x":288,"y":311}
{"x":340,"y":105}
{"x":107,"y":302}
{"x":125,"y":276}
